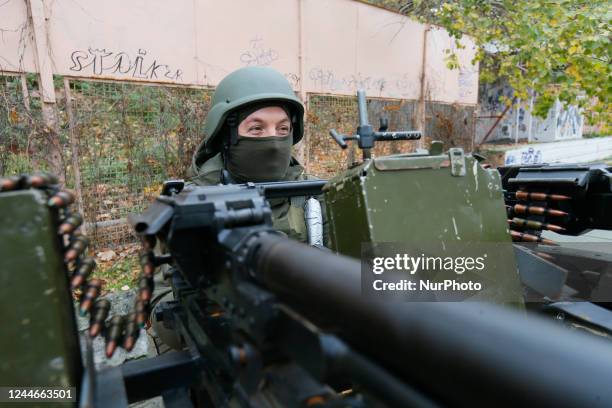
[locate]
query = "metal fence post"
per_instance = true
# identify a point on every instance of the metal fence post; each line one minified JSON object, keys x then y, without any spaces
{"x":74,"y":150}
{"x":36,"y":14}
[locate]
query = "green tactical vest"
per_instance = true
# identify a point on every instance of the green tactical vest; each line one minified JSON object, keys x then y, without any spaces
{"x":287,"y":213}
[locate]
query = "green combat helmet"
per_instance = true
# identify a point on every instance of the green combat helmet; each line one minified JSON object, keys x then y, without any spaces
{"x":240,"y":88}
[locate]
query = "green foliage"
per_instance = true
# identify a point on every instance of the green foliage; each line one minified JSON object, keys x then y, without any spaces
{"x":558,"y":49}
{"x":18,"y":163}
{"x":595,"y":134}
{"x":18,"y":133}
{"x":115,"y":275}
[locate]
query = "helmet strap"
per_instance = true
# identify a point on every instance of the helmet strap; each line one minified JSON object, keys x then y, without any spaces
{"x":232,"y":123}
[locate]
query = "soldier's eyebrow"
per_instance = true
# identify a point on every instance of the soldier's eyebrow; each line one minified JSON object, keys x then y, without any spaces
{"x":259,"y":120}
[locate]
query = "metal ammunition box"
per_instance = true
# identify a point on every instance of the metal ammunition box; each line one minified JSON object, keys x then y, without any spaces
{"x":426,"y":203}
{"x":38,"y":332}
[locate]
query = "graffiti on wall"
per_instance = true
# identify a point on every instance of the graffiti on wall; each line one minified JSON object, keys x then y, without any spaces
{"x":526,"y":156}
{"x":100,"y":61}
{"x":294,"y":79}
{"x":562,"y":122}
{"x":327,"y":80}
{"x":569,"y":121}
{"x":468,"y":78}
{"x":257,"y":54}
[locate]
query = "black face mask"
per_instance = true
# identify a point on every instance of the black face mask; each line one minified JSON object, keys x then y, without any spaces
{"x":259,"y":159}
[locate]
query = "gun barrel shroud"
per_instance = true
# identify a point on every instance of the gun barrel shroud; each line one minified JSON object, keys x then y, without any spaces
{"x":458,"y":352}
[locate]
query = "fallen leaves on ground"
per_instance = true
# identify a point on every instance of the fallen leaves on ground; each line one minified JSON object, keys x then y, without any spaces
{"x":118,"y":267}
{"x":106,"y":256}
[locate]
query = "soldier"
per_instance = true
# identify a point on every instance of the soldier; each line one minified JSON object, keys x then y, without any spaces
{"x":254,"y":120}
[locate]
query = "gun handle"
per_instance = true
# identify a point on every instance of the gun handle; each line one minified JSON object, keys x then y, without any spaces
{"x":338,"y":138}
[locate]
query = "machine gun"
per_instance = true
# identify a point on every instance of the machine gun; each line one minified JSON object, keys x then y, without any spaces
{"x":264,"y":321}
{"x":267,"y":321}
{"x":272,"y":322}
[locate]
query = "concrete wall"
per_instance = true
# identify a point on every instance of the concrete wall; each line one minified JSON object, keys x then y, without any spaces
{"x":322,"y":46}
{"x":562,"y":123}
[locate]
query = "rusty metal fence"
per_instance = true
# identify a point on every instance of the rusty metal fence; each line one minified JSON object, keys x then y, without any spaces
{"x":452,"y":124}
{"x":324,"y":157}
{"x":130,"y":138}
{"x":20,"y":128}
{"x":121,"y":140}
{"x":127,"y":139}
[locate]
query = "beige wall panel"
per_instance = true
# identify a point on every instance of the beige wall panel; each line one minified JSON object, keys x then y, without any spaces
{"x":16,"y":48}
{"x":346,"y":44}
{"x":446,"y":85}
{"x":146,"y":40}
{"x":247,"y":33}
{"x":330,"y":28}
{"x":389,"y":53}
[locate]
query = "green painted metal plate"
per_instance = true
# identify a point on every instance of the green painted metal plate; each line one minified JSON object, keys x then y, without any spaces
{"x":38,"y":338}
{"x":418,"y":203}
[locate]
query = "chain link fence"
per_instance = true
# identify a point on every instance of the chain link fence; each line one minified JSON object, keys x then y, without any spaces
{"x":452,"y":124}
{"x":324,"y":157}
{"x":125,"y":139}
{"x":130,"y":138}
{"x":20,"y":125}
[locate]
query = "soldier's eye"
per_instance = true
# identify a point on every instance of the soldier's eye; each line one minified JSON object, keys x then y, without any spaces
{"x":255,"y":129}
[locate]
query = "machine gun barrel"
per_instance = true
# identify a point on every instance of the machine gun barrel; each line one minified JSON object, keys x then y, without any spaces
{"x":450,"y":350}
{"x":278,"y":189}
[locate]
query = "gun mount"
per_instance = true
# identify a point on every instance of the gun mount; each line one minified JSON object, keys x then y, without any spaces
{"x":365,"y":134}
{"x":267,"y":321}
{"x":261,"y":314}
